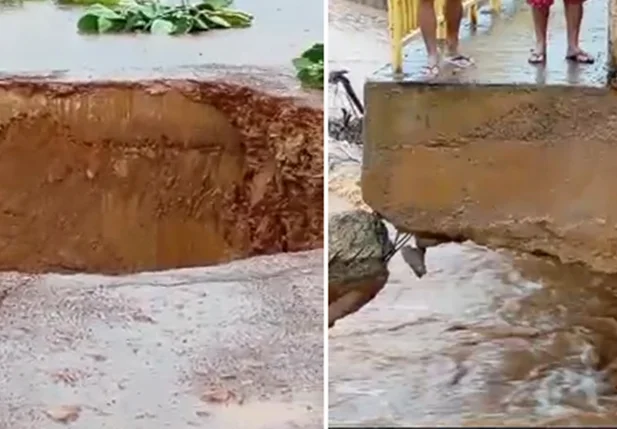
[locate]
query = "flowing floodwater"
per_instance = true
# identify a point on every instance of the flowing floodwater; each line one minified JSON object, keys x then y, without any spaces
{"x":486,"y":338}
{"x":235,"y":345}
{"x":50,"y":44}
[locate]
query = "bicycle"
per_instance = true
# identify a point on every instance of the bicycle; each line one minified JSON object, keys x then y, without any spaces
{"x":349,"y":127}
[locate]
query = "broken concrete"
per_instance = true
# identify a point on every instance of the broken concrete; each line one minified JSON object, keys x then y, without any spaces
{"x":503,"y":153}
{"x":520,"y":167}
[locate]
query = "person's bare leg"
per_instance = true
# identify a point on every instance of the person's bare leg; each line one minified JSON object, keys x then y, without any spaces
{"x":540,"y":25}
{"x":428,"y":27}
{"x":453,"y":14}
{"x":574,"y":18}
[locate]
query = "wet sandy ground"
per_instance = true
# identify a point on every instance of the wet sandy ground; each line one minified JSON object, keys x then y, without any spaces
{"x":49,"y":43}
{"x":486,"y":338}
{"x":237,"y":345}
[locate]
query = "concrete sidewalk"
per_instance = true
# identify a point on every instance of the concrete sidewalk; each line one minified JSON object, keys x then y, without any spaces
{"x":501,"y":46}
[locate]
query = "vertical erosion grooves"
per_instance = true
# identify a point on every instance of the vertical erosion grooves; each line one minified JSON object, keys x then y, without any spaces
{"x":121,"y":176}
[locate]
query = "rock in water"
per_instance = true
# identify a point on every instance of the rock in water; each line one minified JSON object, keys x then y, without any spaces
{"x":359,"y":247}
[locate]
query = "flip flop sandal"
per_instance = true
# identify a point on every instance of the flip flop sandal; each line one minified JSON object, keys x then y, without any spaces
{"x":431,"y":71}
{"x":581,"y":58}
{"x":536,"y":58}
{"x":460,"y":61}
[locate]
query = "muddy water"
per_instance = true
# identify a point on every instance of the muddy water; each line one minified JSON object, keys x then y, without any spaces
{"x":486,"y":338}
{"x":158,"y":350}
{"x":281,"y":30}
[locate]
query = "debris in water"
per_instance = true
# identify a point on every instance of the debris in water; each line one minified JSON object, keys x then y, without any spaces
{"x":415,"y":258}
{"x":459,"y":373}
{"x":142,"y":317}
{"x":67,"y":376}
{"x":98,"y":357}
{"x":589,"y":357}
{"x":221,"y":396}
{"x":228,"y":376}
{"x":63,"y":413}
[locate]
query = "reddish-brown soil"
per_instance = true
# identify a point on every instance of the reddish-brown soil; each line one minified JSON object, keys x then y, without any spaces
{"x":118,"y":177}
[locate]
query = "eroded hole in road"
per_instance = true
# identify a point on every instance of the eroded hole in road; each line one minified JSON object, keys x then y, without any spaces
{"x":120,"y":177}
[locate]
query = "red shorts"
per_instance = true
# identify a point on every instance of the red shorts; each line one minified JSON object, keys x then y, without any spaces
{"x":543,"y":4}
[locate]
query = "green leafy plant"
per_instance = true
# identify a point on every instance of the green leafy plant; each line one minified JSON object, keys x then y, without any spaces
{"x":310,"y":66}
{"x":154,"y":17}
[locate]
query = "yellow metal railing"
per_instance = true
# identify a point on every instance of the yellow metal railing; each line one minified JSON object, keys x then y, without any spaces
{"x":403,"y":23}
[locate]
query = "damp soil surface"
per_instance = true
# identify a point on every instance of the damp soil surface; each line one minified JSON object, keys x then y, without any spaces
{"x":236,"y":345}
{"x":485,"y":338}
{"x":126,"y":177}
{"x":137,"y":155}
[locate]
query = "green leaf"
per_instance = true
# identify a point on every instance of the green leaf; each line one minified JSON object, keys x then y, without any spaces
{"x":88,"y":24}
{"x":103,"y":11}
{"x":235,"y":18}
{"x":183,"y":25}
{"x":201,"y":24}
{"x":216,"y":21}
{"x":104,"y":25}
{"x":301,"y":63}
{"x":310,"y":67}
{"x":155,"y":17}
{"x":311,"y":79}
{"x":218,"y":4}
{"x":111,"y":25}
{"x":147,"y":10}
{"x":162,"y":26}
{"x":204,"y":6}
{"x":315,"y":53}
{"x":134,"y":22}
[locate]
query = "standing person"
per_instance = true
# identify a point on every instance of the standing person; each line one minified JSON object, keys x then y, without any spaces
{"x":428,"y":26}
{"x":574,"y":16}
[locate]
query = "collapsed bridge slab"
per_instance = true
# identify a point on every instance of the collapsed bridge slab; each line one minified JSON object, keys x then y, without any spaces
{"x":504,"y":154}
{"x":526,"y":168}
